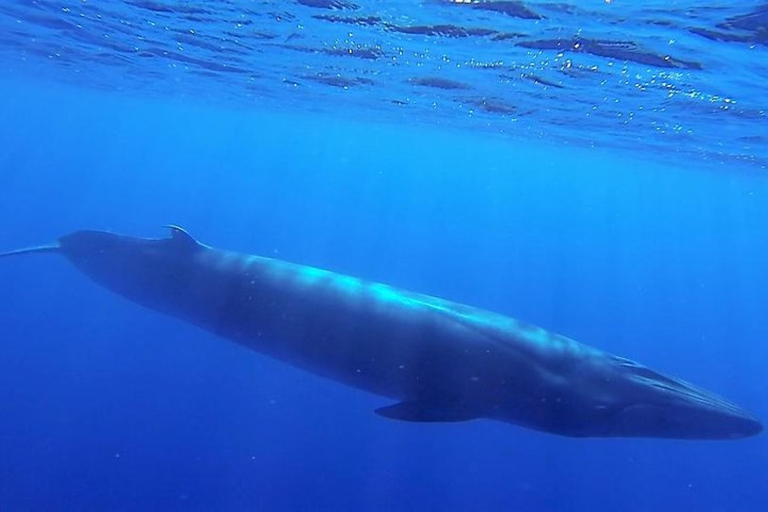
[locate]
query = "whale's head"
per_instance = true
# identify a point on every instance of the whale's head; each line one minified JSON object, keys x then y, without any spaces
{"x":639,"y":402}
{"x":664,"y":406}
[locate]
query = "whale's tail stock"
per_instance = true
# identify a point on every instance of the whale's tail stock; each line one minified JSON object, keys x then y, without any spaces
{"x":54,"y":247}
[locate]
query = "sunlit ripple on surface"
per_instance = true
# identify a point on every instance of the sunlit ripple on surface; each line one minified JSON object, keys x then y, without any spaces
{"x":681,"y":79}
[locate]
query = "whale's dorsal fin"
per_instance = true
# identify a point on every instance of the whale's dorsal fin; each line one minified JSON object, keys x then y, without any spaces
{"x":428,"y":411}
{"x":181,"y":238}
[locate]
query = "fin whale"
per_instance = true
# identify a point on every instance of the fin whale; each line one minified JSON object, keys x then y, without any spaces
{"x":438,"y":361}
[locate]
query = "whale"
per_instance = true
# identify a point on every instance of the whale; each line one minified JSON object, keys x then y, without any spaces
{"x":431,"y":360}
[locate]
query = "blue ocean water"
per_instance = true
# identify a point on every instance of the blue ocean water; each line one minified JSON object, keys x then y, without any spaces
{"x":596,"y":170}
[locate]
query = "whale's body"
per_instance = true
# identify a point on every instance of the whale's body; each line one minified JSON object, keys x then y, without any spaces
{"x":435,"y":359}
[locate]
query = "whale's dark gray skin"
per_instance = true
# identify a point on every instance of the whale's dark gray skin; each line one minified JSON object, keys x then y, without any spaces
{"x":437,"y":360}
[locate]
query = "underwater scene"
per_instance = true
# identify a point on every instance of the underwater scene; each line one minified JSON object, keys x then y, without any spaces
{"x":346,"y":255}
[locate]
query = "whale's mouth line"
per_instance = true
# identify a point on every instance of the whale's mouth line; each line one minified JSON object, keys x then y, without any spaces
{"x":681,"y":390}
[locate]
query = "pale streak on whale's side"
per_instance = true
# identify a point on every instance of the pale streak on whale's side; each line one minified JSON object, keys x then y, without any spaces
{"x":438,"y":361}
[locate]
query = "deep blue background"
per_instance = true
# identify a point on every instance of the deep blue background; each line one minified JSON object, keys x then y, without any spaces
{"x":107,"y":406}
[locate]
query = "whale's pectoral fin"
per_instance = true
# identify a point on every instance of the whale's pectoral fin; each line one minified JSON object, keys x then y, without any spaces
{"x":428,"y":411}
